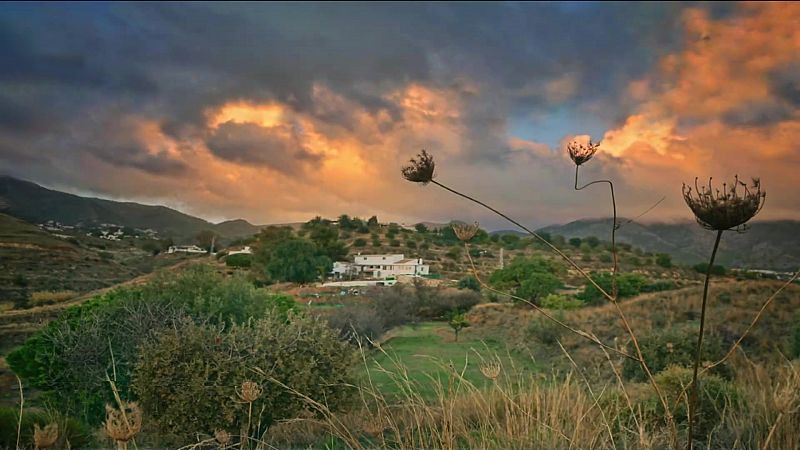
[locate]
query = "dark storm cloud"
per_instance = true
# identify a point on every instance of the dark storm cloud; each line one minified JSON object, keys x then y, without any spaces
{"x":65,"y":64}
{"x":785,"y":84}
{"x":249,"y":143}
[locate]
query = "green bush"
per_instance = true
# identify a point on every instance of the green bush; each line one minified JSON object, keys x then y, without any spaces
{"x":659,"y":285}
{"x":796,"y":338}
{"x":454,"y":253}
{"x":605,"y":258}
{"x":554,"y":301}
{"x":674,"y":347}
{"x":360,"y":242}
{"x":239,"y":260}
{"x":628,"y":285}
{"x":545,"y":330}
{"x":715,"y":396}
{"x":187,"y":379}
{"x":469,"y":282}
{"x":716,"y":269}
{"x":69,"y":358}
{"x":664,"y":260}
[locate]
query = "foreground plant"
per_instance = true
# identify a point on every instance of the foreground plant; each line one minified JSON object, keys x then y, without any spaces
{"x":123,"y":424}
{"x":422,"y":169}
{"x":718,"y":211}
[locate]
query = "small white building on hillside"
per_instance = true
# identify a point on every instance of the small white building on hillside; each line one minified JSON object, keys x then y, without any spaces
{"x":246,"y":250}
{"x":185,"y":249}
{"x":379,"y":267}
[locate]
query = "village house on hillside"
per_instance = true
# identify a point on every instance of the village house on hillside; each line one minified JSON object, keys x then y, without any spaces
{"x":185,"y":249}
{"x":379,"y":267}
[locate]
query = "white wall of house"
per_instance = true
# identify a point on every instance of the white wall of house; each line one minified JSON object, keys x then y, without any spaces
{"x":379,"y":267}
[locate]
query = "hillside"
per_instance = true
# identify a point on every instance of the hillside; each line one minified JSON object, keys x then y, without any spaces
{"x":766,"y":245}
{"x":53,"y":268}
{"x":36,"y":204}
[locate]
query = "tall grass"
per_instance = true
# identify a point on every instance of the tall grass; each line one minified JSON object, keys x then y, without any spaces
{"x":554,"y":411}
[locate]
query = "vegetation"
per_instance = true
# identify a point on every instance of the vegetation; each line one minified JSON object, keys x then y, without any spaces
{"x":530,"y":279}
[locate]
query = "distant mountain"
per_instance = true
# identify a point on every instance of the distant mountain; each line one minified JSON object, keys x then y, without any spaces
{"x":766,"y":245}
{"x":36,"y":204}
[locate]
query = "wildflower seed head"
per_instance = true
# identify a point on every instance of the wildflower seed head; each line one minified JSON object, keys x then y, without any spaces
{"x":45,"y":437}
{"x":491,"y":370}
{"x":580,"y":153}
{"x":222,"y":437}
{"x":123,"y":427}
{"x":251,"y":391}
{"x":728,"y":209}
{"x":420,"y":168}
{"x":464,"y":232}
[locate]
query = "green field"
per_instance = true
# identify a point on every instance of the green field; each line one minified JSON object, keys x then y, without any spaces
{"x":423,"y":354}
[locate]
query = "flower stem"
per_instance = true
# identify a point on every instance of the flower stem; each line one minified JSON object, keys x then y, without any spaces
{"x":693,"y":395}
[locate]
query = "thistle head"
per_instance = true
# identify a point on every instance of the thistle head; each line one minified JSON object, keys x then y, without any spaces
{"x":728,"y":209}
{"x":420,"y":168}
{"x":491,"y":370}
{"x":580,"y":153}
{"x":464,"y":232}
{"x":45,"y":437}
{"x":123,"y":424}
{"x":251,"y":391}
{"x":222,"y":437}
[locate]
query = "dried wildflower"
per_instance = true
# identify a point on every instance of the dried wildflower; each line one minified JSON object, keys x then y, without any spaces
{"x":420,"y":169}
{"x":491,"y":370}
{"x":222,"y":437}
{"x":465,"y":232}
{"x":580,"y":153}
{"x":251,"y":391}
{"x":729,"y":209}
{"x":45,"y":437}
{"x":670,"y":347}
{"x":123,"y":424}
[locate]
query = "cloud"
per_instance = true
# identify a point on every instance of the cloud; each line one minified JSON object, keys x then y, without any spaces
{"x":208,"y":107}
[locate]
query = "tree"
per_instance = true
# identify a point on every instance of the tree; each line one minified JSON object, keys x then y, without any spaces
{"x":373,"y":222}
{"x":457,"y":322}
{"x":360,"y":242}
{"x":538,"y":285}
{"x":206,"y":239}
{"x":469,"y":282}
{"x":575,"y":242}
{"x":664,"y":260}
{"x":326,"y":238}
{"x":298,"y":261}
{"x":421,"y":228}
{"x":265,"y":244}
{"x":592,"y":241}
{"x":345,"y":223}
{"x":528,"y":278}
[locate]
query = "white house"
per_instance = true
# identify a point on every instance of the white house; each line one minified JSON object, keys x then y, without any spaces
{"x":380,"y":267}
{"x":185,"y":249}
{"x":242,"y":250}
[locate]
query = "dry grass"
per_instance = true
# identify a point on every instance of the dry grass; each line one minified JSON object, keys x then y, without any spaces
{"x":559,"y":411}
{"x":49,"y":297}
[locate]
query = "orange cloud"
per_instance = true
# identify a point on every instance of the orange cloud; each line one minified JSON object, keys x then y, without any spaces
{"x":712,"y":108}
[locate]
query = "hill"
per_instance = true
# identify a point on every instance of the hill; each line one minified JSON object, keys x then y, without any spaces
{"x":36,"y":204}
{"x":766,"y":245}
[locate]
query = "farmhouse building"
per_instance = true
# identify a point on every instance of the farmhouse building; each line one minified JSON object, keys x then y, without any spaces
{"x":379,"y":267}
{"x":185,"y":249}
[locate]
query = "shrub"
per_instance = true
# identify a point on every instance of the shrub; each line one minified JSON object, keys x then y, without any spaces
{"x":357,"y":323}
{"x":716,"y":269}
{"x":796,"y":338}
{"x":715,"y":397}
{"x":674,"y":347}
{"x":187,"y":378}
{"x":239,"y":260}
{"x":575,"y":242}
{"x":469,"y":282}
{"x":394,"y":243}
{"x":70,"y":357}
{"x":554,"y":301}
{"x":360,"y":242}
{"x":592,"y":241}
{"x":545,"y":330}
{"x":454,"y":253}
{"x":659,"y":285}
{"x":411,"y":244}
{"x":628,"y":285}
{"x":664,"y":260}
{"x":605,"y":258}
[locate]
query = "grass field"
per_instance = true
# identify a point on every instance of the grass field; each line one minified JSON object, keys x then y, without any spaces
{"x":428,"y":351}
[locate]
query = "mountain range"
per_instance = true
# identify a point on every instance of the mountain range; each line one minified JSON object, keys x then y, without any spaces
{"x":36,"y":204}
{"x":766,"y":245}
{"x":771,"y":244}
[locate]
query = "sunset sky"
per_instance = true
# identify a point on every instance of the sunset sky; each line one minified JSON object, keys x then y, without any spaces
{"x":281,"y":112}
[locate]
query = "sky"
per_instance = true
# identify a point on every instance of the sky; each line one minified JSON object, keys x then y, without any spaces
{"x":281,"y":112}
